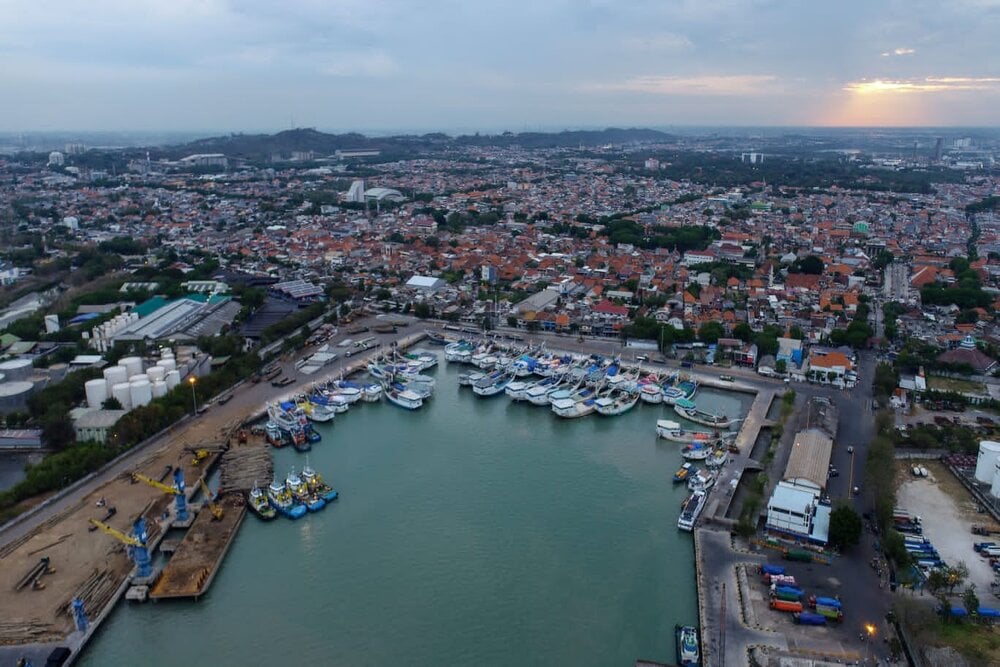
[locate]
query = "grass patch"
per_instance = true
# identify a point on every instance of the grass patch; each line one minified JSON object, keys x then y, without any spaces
{"x":957,"y":385}
{"x":979,"y":643}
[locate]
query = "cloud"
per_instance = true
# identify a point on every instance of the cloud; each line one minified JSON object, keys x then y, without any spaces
{"x":925,"y":85}
{"x":710,"y":85}
{"x":668,"y":41}
{"x":901,"y":51}
{"x":360,"y":64}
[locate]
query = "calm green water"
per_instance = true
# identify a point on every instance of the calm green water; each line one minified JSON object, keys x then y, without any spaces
{"x":470,"y":531}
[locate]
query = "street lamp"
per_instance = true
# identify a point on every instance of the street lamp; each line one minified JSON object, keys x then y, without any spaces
{"x":194,"y":398}
{"x":870,"y":629}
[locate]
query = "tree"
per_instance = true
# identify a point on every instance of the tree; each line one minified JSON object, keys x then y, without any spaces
{"x":780,"y":366}
{"x":845,"y":527}
{"x":111,"y":403}
{"x":743,"y":332}
{"x":810,"y":264}
{"x":711,"y":332}
{"x":970,"y":599}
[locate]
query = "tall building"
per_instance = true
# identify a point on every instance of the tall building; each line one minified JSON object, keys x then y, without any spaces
{"x":752,"y":158}
{"x":357,"y":192}
{"x":938,"y":149}
{"x":56,"y":159}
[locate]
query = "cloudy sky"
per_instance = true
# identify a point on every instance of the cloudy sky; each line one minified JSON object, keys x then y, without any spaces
{"x":466,"y":65}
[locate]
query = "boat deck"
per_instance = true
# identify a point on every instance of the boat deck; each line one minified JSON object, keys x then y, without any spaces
{"x":199,"y":555}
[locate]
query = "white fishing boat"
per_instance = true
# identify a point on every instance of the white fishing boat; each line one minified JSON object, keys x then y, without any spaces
{"x":671,"y":430}
{"x":399,"y":395}
{"x":686,"y":389}
{"x":651,"y":392}
{"x":696,"y":452}
{"x":690,"y":411}
{"x":517,"y":389}
{"x":319,"y":411}
{"x":371,"y":393}
{"x":538,"y":393}
{"x":616,"y":403}
{"x":702,"y":480}
{"x":492,"y":384}
{"x":460,"y":352}
{"x":690,"y":510}
{"x":470,"y":378}
{"x":580,"y":403}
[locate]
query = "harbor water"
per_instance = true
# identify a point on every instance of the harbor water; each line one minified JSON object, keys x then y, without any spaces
{"x":471,"y":531}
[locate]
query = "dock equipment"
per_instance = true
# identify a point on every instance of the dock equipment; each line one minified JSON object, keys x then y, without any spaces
{"x":136,"y":543}
{"x":177,"y":490}
{"x":34,"y":575}
{"x":214,"y":507}
{"x":107,"y":515}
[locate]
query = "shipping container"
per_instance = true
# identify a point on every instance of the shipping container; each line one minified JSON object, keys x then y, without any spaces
{"x":799,"y":555}
{"x":785,"y":605}
{"x":807,"y":618}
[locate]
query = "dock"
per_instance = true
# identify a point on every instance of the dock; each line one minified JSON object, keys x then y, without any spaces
{"x":197,"y":559}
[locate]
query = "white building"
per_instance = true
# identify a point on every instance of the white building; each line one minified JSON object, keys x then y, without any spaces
{"x":356,"y":193}
{"x":796,"y":508}
{"x":56,"y":159}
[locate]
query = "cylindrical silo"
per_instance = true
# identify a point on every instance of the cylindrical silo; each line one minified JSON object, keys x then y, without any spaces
{"x":115,"y":375}
{"x":172,"y":379}
{"x":133,"y":364}
{"x":156,"y":373}
{"x":141,"y":391}
{"x":14,"y":396}
{"x":159,"y":388}
{"x":122,"y":391}
{"x":16,"y":370}
{"x":989,"y":450}
{"x":995,"y":488}
{"x":167,"y":364}
{"x":136,"y":378}
{"x":97,"y":392}
{"x":3,"y":378}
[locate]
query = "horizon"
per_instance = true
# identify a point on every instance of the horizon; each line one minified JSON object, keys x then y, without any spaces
{"x":384,"y":64}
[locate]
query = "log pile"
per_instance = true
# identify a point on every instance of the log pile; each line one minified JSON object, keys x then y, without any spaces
{"x":24,"y":631}
{"x":244,"y":465}
{"x":96,"y":591}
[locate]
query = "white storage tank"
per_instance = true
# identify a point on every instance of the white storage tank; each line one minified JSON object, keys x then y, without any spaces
{"x":16,"y":370}
{"x":97,"y":392}
{"x":141,"y":392}
{"x":172,"y":379}
{"x":122,"y":391}
{"x":167,"y":364}
{"x":136,"y":378}
{"x":995,"y":487}
{"x":156,"y":373}
{"x":989,"y":450}
{"x":133,"y":364}
{"x":115,"y":375}
{"x":159,"y":388}
{"x":14,"y":396}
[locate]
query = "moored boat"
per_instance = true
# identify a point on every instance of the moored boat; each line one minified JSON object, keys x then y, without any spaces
{"x":274,"y":435}
{"x":399,"y":395}
{"x":683,"y":472}
{"x":492,"y":384}
{"x":316,"y":485}
{"x":651,"y":392}
{"x":616,"y":403}
{"x":702,"y":480}
{"x":690,"y":510}
{"x":259,"y":504}
{"x":696,"y":451}
{"x":580,"y":403}
{"x":688,"y":652}
{"x":281,"y":500}
{"x":297,"y":487}
{"x":690,"y":411}
{"x":517,"y":390}
{"x":671,"y":430}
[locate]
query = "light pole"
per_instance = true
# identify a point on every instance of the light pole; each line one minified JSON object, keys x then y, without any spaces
{"x":194,"y":397}
{"x":870,"y":629}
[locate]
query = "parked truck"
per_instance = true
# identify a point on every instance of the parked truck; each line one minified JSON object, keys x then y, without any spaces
{"x":786,"y":605}
{"x":800,"y":555}
{"x":809,"y":618}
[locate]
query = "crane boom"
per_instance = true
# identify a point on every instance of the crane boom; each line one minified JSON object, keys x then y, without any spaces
{"x":173,"y":490}
{"x":210,"y":499}
{"x":117,"y":534}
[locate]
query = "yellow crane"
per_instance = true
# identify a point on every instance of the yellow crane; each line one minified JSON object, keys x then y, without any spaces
{"x":210,"y":500}
{"x":177,"y":490}
{"x":136,"y":543}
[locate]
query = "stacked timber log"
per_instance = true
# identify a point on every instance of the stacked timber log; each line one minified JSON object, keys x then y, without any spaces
{"x":24,"y":631}
{"x":245,"y":465}
{"x":96,"y":591}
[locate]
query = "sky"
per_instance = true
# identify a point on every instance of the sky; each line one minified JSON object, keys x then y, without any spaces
{"x":468,"y":65}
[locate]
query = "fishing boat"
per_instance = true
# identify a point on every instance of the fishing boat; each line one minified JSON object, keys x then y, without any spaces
{"x":616,"y":403}
{"x":399,"y":395}
{"x":690,"y":411}
{"x":316,"y":484}
{"x":281,"y":499}
{"x":459,"y":351}
{"x":702,"y":480}
{"x":687,"y":645}
{"x":492,"y":384}
{"x":696,"y":451}
{"x":302,"y":493}
{"x":349,"y":392}
{"x":690,"y":510}
{"x":517,"y":390}
{"x":470,"y":378}
{"x":717,"y":458}
{"x":319,"y":409}
{"x":538,"y":393}
{"x":424,"y":360}
{"x":651,"y":392}
{"x":683,"y":472}
{"x":259,"y":504}
{"x":323,"y":400}
{"x":672,"y":430}
{"x":300,"y":441}
{"x":274,"y":435}
{"x":580,"y":403}
{"x":685,"y":390}
{"x":371,"y":392}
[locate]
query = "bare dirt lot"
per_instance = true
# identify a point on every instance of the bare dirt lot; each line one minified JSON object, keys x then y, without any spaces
{"x":948,"y":513}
